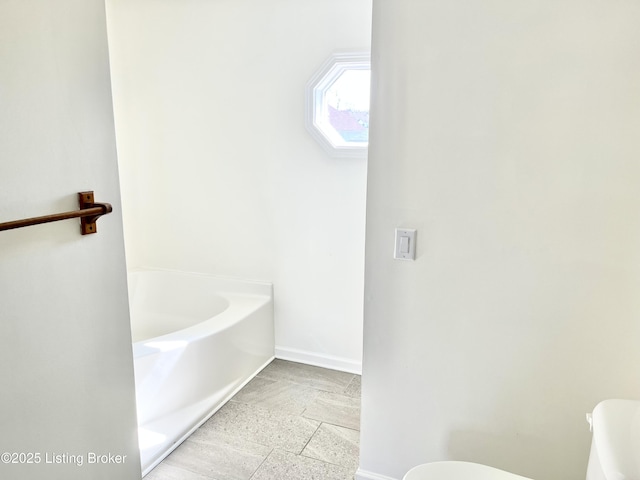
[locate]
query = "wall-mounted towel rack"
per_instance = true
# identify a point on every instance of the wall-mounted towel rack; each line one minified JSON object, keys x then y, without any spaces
{"x":89,"y":213}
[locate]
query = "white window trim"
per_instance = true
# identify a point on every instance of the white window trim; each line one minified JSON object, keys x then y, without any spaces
{"x":328,"y":73}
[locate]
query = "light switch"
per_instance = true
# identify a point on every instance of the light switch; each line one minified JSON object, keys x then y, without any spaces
{"x":405,"y":246}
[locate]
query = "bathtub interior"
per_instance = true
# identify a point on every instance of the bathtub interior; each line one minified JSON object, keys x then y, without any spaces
{"x":165,"y":302}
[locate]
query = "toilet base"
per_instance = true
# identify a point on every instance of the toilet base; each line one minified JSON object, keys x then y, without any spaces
{"x":459,"y":471}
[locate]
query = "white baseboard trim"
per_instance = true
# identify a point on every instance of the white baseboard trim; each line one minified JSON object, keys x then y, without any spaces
{"x":365,"y":475}
{"x":319,"y":360}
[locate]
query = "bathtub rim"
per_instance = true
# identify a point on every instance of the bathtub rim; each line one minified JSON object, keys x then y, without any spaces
{"x":257,"y":295}
{"x":211,"y":326}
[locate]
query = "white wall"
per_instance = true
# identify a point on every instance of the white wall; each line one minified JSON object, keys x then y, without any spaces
{"x":218,"y":172}
{"x":507,"y":134}
{"x":65,"y":345}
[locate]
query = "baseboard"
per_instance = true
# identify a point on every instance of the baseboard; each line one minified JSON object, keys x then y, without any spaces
{"x":365,"y":475}
{"x":319,"y":360}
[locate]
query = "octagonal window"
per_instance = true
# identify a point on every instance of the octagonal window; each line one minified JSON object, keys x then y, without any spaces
{"x":338,"y":105}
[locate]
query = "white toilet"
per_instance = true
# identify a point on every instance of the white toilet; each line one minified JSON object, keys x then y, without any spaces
{"x":615,"y":450}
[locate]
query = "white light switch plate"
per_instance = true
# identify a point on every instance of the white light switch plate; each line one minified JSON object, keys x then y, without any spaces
{"x":405,"y":247}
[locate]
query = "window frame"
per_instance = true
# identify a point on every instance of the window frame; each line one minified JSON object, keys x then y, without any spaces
{"x":321,"y":81}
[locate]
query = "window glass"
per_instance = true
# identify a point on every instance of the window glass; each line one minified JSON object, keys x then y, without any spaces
{"x":347,"y":105}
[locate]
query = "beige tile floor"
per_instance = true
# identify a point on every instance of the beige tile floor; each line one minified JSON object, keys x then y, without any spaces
{"x":291,"y":422}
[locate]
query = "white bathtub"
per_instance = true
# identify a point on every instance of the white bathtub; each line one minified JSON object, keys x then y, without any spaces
{"x":197,"y":339}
